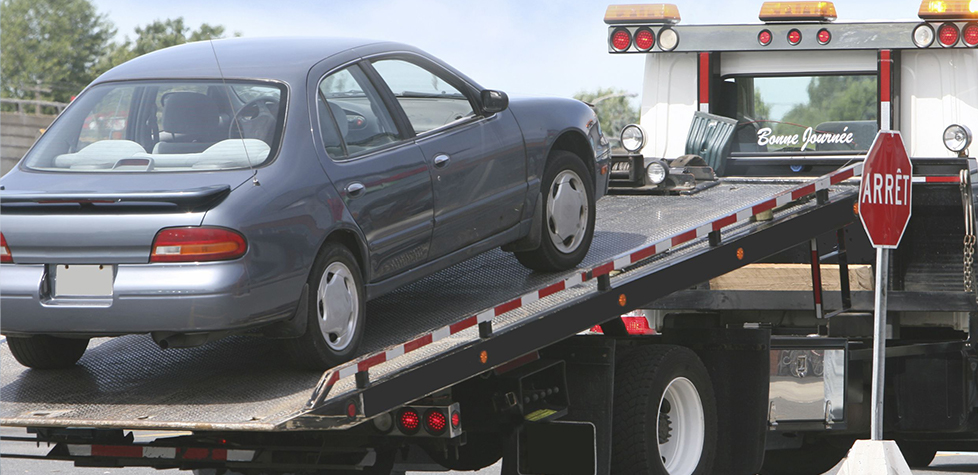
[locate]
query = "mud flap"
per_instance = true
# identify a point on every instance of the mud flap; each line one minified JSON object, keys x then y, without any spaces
{"x":564,"y":447}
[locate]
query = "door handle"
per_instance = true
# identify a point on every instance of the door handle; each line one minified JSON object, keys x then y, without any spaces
{"x":442,"y":160}
{"x":355,"y":189}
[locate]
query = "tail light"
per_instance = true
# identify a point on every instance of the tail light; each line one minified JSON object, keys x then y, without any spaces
{"x":971,"y":34}
{"x":634,"y":325}
{"x":197,"y":244}
{"x":435,"y":421}
{"x":764,"y":37}
{"x":408,"y":421}
{"x":948,"y":34}
{"x":5,"y":256}
{"x":794,"y":37}
{"x":644,"y":39}
{"x":621,"y":39}
{"x":824,"y":36}
{"x":456,"y":419}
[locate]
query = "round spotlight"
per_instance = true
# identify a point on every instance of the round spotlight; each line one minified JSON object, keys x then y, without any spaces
{"x":948,"y":34}
{"x":408,"y":421}
{"x":668,"y":39}
{"x":923,"y":35}
{"x":957,"y":138}
{"x":970,"y":34}
{"x":632,"y":138}
{"x":644,"y":39}
{"x":621,"y":39}
{"x":824,"y":36}
{"x":764,"y":37}
{"x":384,"y":423}
{"x":794,"y":37}
{"x":656,"y":172}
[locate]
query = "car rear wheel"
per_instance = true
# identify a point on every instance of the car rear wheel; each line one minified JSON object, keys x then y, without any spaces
{"x":336,"y":311}
{"x":665,"y":420}
{"x":47,"y":352}
{"x":568,"y":215}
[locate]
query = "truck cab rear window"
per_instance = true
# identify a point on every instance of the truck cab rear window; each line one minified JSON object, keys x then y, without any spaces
{"x":797,"y":115}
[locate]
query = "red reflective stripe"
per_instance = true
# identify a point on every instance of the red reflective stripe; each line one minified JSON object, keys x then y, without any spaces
{"x":642,"y":254}
{"x":767,"y":205}
{"x":117,"y":451}
{"x":942,"y":179}
{"x":219,"y":454}
{"x":196,"y":454}
{"x":803,"y":192}
{"x":725,"y":221}
{"x":552,"y":289}
{"x":417,"y":343}
{"x":603,"y":269}
{"x":816,"y":278}
{"x":684,"y":237}
{"x":372,"y":361}
{"x":704,"y":78}
{"x":522,"y":360}
{"x":841,"y":176}
{"x":513,"y":304}
{"x":467,"y":323}
{"x":885,"y":65}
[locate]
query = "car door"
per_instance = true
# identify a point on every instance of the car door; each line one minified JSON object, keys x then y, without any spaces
{"x":381,"y":176}
{"x":477,"y":163}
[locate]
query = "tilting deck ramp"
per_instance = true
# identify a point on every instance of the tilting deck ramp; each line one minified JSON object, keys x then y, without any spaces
{"x":426,"y":336}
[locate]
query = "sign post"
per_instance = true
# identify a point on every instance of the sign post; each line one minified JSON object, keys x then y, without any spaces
{"x":884,"y":209}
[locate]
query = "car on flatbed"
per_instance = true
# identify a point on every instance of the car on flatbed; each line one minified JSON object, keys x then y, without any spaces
{"x":274,"y":186}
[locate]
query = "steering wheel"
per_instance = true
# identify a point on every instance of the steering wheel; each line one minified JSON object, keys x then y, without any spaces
{"x":255,"y":120}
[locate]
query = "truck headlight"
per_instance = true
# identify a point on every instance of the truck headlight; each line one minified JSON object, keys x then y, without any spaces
{"x":632,"y":138}
{"x":656,"y":172}
{"x":957,"y":138}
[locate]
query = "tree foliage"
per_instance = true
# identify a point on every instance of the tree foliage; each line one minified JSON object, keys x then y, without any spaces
{"x":832,"y":98}
{"x":157,"y":35}
{"x":614,"y":109}
{"x":51,"y":44}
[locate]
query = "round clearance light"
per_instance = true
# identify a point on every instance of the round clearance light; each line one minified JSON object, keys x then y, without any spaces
{"x":923,"y":35}
{"x":656,"y":172}
{"x":644,"y":39}
{"x":948,"y":34}
{"x":435,"y":422}
{"x":970,"y":34}
{"x":621,"y":39}
{"x":408,"y":421}
{"x":794,"y":37}
{"x":764,"y":37}
{"x":632,"y":138}
{"x":668,"y":39}
{"x":957,"y":138}
{"x":824,"y":36}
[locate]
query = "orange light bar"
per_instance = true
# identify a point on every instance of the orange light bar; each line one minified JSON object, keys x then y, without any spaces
{"x":653,"y":13}
{"x":948,"y":10}
{"x":797,"y":11}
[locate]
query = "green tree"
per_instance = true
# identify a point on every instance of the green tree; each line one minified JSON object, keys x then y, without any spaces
{"x":614,"y":109}
{"x":50,"y":46}
{"x":157,"y":35}
{"x":832,"y":98}
{"x":761,"y":109}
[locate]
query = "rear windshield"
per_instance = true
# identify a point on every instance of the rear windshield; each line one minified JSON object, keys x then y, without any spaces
{"x":803,"y":114}
{"x":163,"y":126}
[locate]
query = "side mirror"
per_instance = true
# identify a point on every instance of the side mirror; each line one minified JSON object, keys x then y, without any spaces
{"x":494,"y":101}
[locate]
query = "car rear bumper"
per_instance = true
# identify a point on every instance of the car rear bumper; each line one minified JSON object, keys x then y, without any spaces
{"x":146,"y":298}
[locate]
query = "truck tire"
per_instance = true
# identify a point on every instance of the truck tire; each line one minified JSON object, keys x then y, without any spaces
{"x":813,"y":458}
{"x":916,"y":454}
{"x":665,"y":420}
{"x":336,"y":311}
{"x":567,"y":191}
{"x":47,"y":352}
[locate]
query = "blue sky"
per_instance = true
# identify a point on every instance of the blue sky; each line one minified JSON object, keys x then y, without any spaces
{"x":534,"y":47}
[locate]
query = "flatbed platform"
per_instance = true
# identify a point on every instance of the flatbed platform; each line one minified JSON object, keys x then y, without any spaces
{"x":247,"y":384}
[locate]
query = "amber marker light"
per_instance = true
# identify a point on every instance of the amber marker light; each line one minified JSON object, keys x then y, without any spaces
{"x":797,"y":11}
{"x":740,"y":253}
{"x":622,"y":300}
{"x":659,"y":13}
{"x":948,"y":10}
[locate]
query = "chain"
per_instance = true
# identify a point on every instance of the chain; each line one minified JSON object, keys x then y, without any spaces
{"x":969,"y":252}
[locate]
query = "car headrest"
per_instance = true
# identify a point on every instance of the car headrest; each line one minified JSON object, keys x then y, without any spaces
{"x":191,"y":113}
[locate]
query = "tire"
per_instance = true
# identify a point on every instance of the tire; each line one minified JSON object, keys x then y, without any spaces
{"x":47,"y":352}
{"x":665,"y":419}
{"x":568,"y":215}
{"x":813,"y":458}
{"x":917,"y":455}
{"x":334,"y":327}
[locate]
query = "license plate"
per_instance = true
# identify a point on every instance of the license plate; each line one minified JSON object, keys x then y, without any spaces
{"x":82,"y":280}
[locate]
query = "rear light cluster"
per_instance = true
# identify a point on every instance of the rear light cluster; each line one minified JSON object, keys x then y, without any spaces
{"x":947,"y":35}
{"x":197,"y":244}
{"x":5,"y":256}
{"x":642,"y":39}
{"x":428,"y":421}
{"x":634,"y":325}
{"x":794,"y":37}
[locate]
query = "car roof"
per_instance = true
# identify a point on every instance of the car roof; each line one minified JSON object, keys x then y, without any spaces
{"x":286,"y":59}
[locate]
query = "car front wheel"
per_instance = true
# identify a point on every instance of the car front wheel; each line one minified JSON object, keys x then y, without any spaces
{"x":47,"y":352}
{"x":336,"y":311}
{"x":568,"y":215}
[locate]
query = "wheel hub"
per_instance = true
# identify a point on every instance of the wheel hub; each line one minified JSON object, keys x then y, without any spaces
{"x":338,"y":306}
{"x":567,"y":211}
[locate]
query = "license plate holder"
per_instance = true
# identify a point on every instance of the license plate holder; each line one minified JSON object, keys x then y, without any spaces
{"x":75,"y":281}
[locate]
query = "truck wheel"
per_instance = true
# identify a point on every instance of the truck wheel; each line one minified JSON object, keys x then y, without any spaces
{"x":813,"y":458}
{"x":47,"y":352}
{"x":917,"y":455}
{"x":568,"y":215}
{"x":336,"y":311}
{"x":665,"y":420}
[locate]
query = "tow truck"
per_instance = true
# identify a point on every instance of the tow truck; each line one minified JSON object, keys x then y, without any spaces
{"x":699,"y":336}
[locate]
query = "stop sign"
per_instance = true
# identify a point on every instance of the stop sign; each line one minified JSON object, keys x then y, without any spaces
{"x":884,"y":194}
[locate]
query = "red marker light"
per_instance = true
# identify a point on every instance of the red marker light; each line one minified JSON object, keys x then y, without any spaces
{"x":351,"y":410}
{"x":948,"y":34}
{"x":971,"y":34}
{"x":794,"y":37}
{"x":644,"y":39}
{"x":435,"y":422}
{"x":5,"y":255}
{"x":408,"y":421}
{"x":764,"y":38}
{"x":621,"y":39}
{"x":456,"y":420}
{"x":824,"y":36}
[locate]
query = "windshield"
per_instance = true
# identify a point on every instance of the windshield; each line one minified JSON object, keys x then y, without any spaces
{"x":803,"y":114}
{"x":163,"y":126}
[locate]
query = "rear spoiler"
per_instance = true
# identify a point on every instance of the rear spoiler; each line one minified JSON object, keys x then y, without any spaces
{"x":190,"y":198}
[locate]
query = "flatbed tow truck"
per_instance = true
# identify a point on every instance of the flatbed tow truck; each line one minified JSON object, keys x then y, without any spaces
{"x":636,"y":362}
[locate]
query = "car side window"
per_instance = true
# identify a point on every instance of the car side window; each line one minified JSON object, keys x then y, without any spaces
{"x":427,"y":99}
{"x":352,"y":117}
